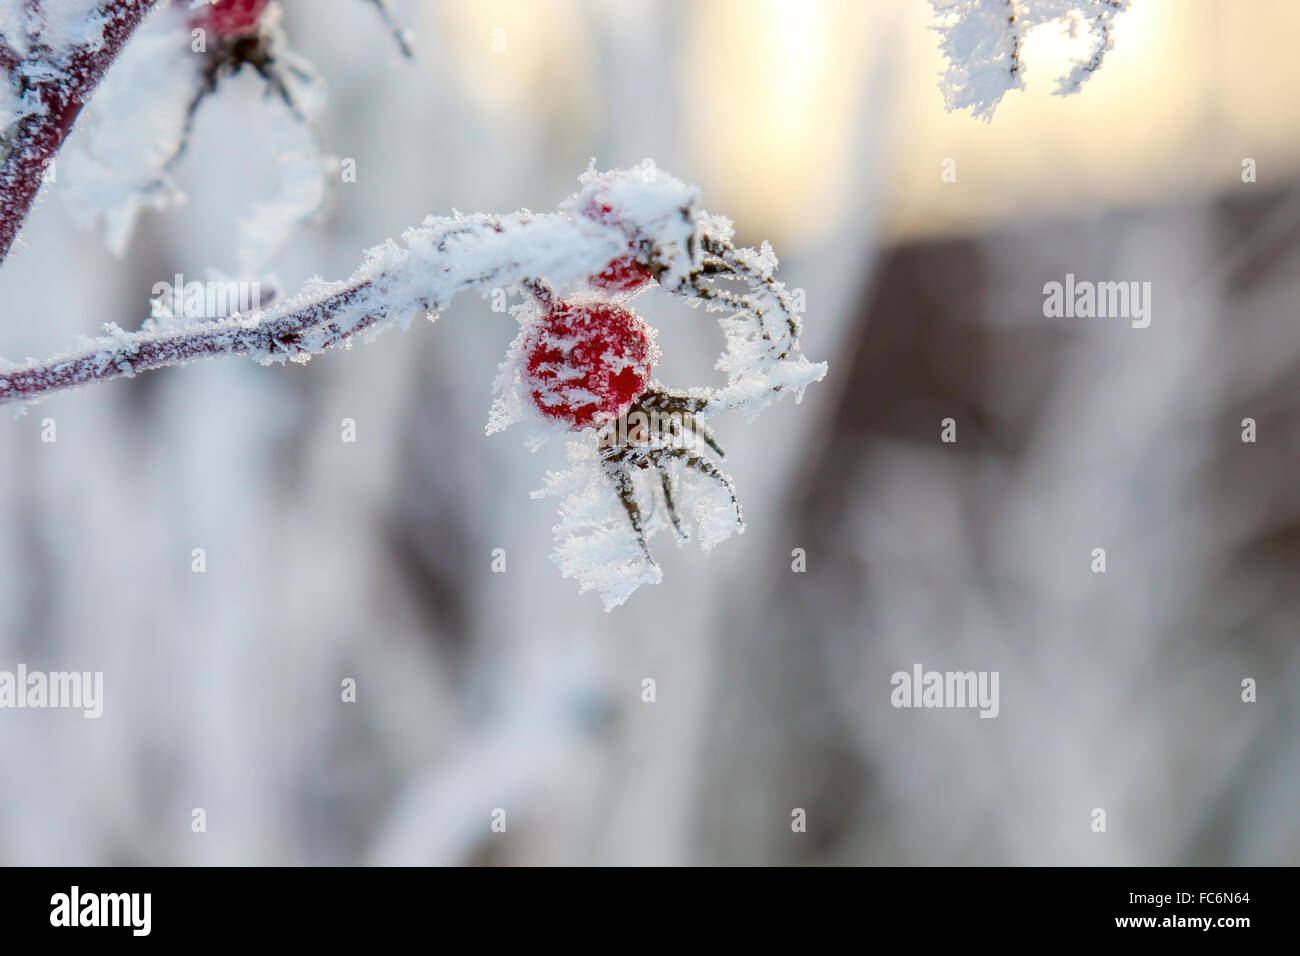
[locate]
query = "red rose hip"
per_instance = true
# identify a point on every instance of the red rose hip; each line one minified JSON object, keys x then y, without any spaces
{"x":626,"y":273}
{"x":621,"y":275}
{"x":232,"y":18}
{"x":586,"y":364}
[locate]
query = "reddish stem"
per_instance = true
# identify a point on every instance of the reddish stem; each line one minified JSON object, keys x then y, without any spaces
{"x":37,"y":138}
{"x":335,"y":318}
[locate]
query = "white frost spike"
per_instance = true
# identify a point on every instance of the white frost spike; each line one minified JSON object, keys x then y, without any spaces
{"x":762,"y":358}
{"x":594,"y":542}
{"x":716,"y":516}
{"x":511,"y":401}
{"x":510,"y":398}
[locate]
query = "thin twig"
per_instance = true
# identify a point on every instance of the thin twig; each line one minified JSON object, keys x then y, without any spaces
{"x":142,"y":352}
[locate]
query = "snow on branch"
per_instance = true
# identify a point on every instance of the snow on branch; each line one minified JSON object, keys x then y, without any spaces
{"x":440,"y":259}
{"x":983,"y":41}
{"x":54,"y":55}
{"x":641,"y":454}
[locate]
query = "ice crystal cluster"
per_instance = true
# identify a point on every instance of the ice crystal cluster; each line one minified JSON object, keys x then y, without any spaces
{"x":983,"y":40}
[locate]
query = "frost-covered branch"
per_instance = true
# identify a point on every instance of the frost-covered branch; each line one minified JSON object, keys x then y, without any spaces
{"x":581,"y":365}
{"x":439,"y":260}
{"x":983,"y":42}
{"x":688,"y":251}
{"x":53,"y":61}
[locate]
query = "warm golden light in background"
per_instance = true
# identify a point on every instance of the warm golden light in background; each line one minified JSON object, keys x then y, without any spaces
{"x":1190,"y":88}
{"x":516,"y":61}
{"x":778,"y":81}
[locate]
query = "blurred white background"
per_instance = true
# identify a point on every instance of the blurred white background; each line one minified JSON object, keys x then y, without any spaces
{"x":819,"y":126}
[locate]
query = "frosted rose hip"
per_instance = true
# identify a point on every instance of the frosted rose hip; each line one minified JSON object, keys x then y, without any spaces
{"x":625,"y":273}
{"x":587,"y":364}
{"x":621,"y":275}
